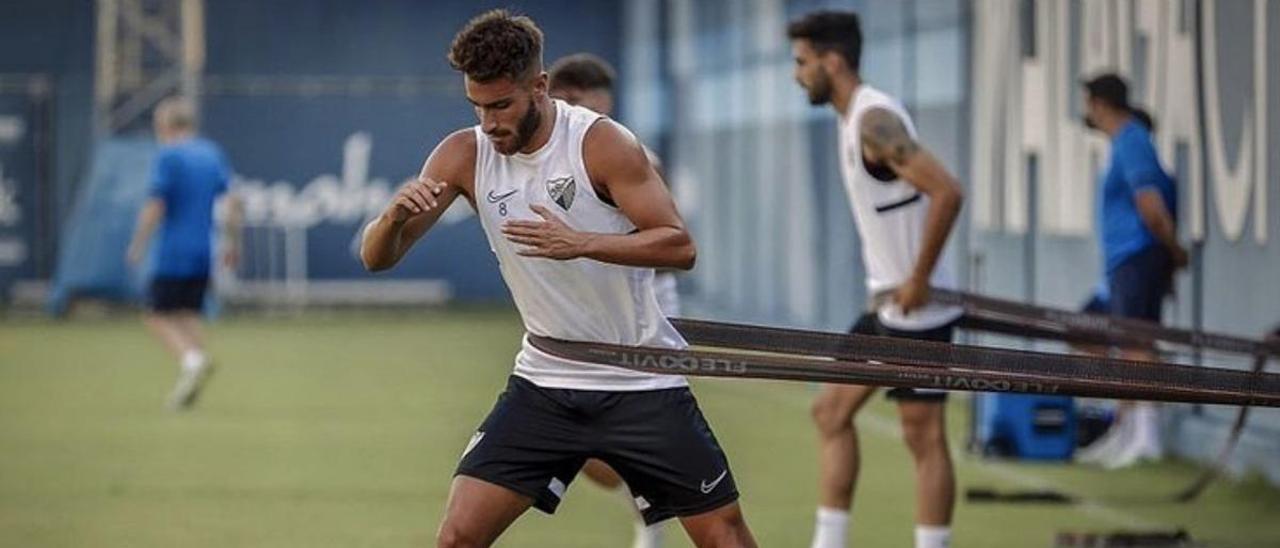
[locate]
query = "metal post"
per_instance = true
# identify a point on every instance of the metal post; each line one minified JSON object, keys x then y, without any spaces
{"x":146,"y":51}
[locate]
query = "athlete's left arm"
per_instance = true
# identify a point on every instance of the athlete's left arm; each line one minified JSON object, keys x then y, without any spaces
{"x":232,"y":223}
{"x":886,"y":141}
{"x":617,"y":164}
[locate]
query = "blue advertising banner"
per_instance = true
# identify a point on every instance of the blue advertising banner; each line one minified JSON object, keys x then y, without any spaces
{"x":18,"y":174}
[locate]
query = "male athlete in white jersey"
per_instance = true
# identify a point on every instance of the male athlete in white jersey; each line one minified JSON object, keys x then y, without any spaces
{"x":904,"y":204}
{"x":578,"y":219}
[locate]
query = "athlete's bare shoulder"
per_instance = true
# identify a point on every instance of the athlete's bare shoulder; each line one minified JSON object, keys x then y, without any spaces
{"x":609,"y":148}
{"x":454,"y":160}
{"x":885,"y":138}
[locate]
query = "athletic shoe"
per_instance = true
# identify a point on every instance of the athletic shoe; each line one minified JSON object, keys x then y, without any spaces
{"x":1105,"y":448}
{"x":1135,"y":453}
{"x":191,"y":381}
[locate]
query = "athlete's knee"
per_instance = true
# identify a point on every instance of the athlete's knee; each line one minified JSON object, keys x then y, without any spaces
{"x":925,"y":434}
{"x":831,"y":416}
{"x":451,"y":535}
{"x":725,"y":528}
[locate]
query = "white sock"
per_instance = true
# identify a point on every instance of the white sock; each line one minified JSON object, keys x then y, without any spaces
{"x":192,"y":359}
{"x":933,"y":536}
{"x":648,"y":536}
{"x":1122,"y":430}
{"x":831,"y":528}
{"x":1146,"y":424}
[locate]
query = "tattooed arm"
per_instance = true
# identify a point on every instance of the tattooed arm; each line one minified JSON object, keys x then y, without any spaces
{"x":887,"y":143}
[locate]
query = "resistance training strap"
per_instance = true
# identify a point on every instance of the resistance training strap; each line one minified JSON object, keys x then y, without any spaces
{"x":1014,"y":318}
{"x":859,"y":359}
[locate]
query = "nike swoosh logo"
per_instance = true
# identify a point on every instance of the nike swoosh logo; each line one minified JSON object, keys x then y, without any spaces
{"x":495,"y":198}
{"x":709,"y":487}
{"x":475,"y":440}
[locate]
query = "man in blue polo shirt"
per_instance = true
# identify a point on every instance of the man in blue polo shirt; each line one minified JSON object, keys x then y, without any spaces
{"x":187,"y":178}
{"x":1137,"y":202}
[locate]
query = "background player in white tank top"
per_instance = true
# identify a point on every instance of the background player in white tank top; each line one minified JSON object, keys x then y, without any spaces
{"x":904,"y":205}
{"x":585,"y":80}
{"x":543,"y":177}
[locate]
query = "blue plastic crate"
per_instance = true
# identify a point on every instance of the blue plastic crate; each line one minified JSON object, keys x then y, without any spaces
{"x":1025,"y":426}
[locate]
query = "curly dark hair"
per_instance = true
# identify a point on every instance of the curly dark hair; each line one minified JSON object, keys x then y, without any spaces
{"x":582,"y":71}
{"x":831,"y":30}
{"x":497,"y":44}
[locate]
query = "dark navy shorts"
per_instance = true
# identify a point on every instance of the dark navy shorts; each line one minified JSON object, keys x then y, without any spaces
{"x":1140,"y":283}
{"x":535,"y":440}
{"x":177,"y":294}
{"x":869,"y":324}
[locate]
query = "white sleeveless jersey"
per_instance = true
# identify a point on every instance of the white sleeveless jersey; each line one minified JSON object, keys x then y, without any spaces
{"x":665,"y":287}
{"x":890,"y":216}
{"x":576,"y":300}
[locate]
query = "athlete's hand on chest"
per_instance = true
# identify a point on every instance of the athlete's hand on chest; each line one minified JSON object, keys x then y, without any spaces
{"x":550,"y":238}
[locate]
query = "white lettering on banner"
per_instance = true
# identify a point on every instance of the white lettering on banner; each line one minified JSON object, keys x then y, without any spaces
{"x":12,"y":128}
{"x":10,"y":211}
{"x":995,"y":49}
{"x":1063,"y":148}
{"x":1174,"y":95}
{"x":13,"y":252}
{"x":348,"y":199}
{"x":1033,"y":90}
{"x":1024,"y":106}
{"x":1231,"y":184}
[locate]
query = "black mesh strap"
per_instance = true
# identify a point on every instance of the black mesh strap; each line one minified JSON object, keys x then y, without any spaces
{"x":1014,"y":318}
{"x":945,"y":355}
{"x":880,"y":361}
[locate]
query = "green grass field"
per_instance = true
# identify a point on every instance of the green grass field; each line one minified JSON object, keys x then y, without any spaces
{"x":342,"y":430}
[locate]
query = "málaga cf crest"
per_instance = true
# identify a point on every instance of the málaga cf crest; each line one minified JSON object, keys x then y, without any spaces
{"x":562,"y":190}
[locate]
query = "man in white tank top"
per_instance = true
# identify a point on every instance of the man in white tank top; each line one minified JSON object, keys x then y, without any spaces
{"x":586,"y":80}
{"x":578,"y":220}
{"x":904,"y":204}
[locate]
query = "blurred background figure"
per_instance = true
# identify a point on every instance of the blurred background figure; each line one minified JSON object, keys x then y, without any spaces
{"x":1139,"y":240}
{"x":904,"y":203}
{"x":586,"y":80}
{"x":188,"y":177}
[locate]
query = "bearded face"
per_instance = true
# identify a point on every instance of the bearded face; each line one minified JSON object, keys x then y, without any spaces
{"x":810,"y":73}
{"x":508,"y":112}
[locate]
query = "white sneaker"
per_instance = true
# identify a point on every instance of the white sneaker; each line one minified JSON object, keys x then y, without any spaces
{"x":187,"y":391}
{"x":1143,"y":443}
{"x":1106,"y":447}
{"x":1136,"y":452}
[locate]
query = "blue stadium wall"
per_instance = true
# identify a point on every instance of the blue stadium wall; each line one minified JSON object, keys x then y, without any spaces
{"x":323,"y":106}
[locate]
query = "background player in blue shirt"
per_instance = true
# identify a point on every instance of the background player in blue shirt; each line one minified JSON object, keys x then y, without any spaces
{"x":1137,"y":203}
{"x":189,"y":175}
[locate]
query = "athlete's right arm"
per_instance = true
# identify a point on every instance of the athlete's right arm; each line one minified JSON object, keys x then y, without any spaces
{"x":148,"y":219}
{"x":415,"y":208}
{"x":886,"y":141}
